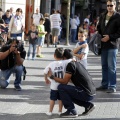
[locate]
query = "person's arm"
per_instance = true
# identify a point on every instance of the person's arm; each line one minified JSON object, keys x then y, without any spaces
{"x":80,"y":56}
{"x":47,"y":81}
{"x":20,"y":57}
{"x":19,"y":60}
{"x":79,"y":47}
{"x":65,"y":80}
{"x":3,"y":55}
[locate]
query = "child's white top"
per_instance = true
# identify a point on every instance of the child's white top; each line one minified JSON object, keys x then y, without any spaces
{"x":84,"y":50}
{"x":58,"y":70}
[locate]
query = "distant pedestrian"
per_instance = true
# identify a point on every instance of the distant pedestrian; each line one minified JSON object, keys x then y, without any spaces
{"x":33,"y":39}
{"x":47,"y":28}
{"x":55,"y":26}
{"x":74,"y":25}
{"x":11,"y":11}
{"x":87,"y":19}
{"x":41,"y":37}
{"x":36,"y":17}
{"x":16,"y":25}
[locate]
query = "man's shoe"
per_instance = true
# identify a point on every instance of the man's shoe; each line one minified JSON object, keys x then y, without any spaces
{"x":101,"y":88}
{"x":89,"y":109}
{"x":69,"y":114}
{"x":18,"y":88}
{"x":111,"y":90}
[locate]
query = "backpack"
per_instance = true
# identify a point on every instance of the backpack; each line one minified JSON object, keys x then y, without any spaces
{"x":95,"y":44}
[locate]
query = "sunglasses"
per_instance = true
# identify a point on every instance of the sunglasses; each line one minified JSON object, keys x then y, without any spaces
{"x":109,"y":5}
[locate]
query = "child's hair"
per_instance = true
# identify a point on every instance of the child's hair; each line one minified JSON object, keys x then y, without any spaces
{"x":59,"y":52}
{"x":83,"y":32}
{"x":42,"y":19}
{"x":68,"y":54}
{"x":33,"y":25}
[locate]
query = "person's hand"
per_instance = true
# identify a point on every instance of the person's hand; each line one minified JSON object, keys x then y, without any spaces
{"x":12,"y":48}
{"x":45,"y":32}
{"x":47,"y":81}
{"x":49,"y":72}
{"x":16,"y":52}
{"x":105,"y":38}
{"x":23,"y":29}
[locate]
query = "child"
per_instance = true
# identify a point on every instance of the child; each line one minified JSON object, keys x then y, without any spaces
{"x":81,"y":48}
{"x":41,"y":37}
{"x":58,"y":69}
{"x":92,"y":29}
{"x":33,"y":38}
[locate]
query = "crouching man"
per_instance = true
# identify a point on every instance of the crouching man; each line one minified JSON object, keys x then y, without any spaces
{"x":12,"y":56}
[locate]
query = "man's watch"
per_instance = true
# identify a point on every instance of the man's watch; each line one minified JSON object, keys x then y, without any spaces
{"x":52,"y":77}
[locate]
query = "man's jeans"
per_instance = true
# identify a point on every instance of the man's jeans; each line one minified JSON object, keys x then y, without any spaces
{"x":16,"y":35}
{"x":71,"y":94}
{"x":73,"y":34}
{"x":32,"y":46}
{"x":5,"y":76}
{"x":108,"y":61}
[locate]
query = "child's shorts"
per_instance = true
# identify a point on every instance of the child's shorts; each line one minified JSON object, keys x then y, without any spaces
{"x":41,"y":41}
{"x":54,"y":95}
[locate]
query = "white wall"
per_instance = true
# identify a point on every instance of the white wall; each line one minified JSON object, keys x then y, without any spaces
{"x":6,"y":4}
{"x":36,"y":4}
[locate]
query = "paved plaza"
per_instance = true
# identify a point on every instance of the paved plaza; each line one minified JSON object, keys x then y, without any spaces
{"x":33,"y":101}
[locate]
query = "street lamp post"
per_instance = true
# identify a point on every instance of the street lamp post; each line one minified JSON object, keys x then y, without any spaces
{"x":68,"y":22}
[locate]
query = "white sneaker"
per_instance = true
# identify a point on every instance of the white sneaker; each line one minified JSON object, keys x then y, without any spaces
{"x":59,"y":113}
{"x":49,"y":113}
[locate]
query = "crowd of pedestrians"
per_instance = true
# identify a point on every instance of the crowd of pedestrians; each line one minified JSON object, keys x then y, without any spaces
{"x":49,"y":28}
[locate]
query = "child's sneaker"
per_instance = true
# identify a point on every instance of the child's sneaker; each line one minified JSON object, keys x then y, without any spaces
{"x":41,"y":56}
{"x":49,"y":113}
{"x":59,"y":113}
{"x":37,"y":55}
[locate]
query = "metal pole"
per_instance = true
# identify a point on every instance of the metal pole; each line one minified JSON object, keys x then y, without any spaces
{"x":68,"y":22}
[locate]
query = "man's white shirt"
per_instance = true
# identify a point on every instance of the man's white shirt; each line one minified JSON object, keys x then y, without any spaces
{"x":36,"y":18}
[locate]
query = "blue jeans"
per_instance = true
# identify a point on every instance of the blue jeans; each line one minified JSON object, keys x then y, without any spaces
{"x":71,"y":94}
{"x":32,"y":47}
{"x":73,"y":34}
{"x":16,"y":35}
{"x":5,"y":76}
{"x":108,"y":61}
{"x":41,"y":41}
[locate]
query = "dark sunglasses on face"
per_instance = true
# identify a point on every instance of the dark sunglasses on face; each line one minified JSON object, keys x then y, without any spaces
{"x":109,"y":5}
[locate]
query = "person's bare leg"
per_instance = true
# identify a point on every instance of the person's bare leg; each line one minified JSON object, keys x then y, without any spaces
{"x":60,"y":106}
{"x":53,"y":39}
{"x":52,"y":103}
{"x":38,"y":50}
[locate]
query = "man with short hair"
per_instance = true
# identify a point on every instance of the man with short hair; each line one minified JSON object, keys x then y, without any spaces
{"x":36,"y":17}
{"x":109,"y":28}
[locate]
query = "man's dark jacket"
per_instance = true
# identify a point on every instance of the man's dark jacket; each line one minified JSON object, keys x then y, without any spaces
{"x":112,"y":29}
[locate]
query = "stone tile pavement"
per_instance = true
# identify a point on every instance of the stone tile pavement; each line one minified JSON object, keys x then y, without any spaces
{"x":33,"y":101}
